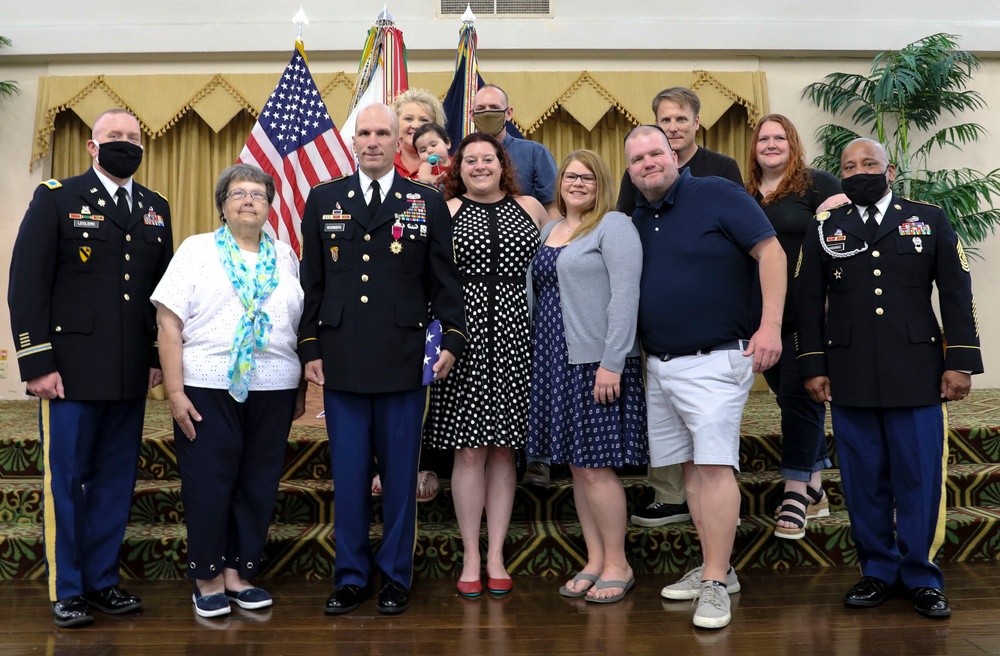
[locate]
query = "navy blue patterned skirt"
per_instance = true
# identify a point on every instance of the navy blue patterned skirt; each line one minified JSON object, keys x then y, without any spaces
{"x":564,"y":421}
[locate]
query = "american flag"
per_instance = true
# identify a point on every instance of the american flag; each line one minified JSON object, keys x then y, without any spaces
{"x":296,"y":142}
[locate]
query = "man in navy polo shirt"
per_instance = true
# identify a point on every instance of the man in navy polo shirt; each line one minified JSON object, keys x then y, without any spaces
{"x":702,"y":242}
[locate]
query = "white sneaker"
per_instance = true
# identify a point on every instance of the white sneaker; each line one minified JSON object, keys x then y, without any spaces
{"x":712,"y":607}
{"x":689,"y":586}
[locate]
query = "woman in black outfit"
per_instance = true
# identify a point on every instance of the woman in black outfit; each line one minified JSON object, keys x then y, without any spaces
{"x":790,"y":194}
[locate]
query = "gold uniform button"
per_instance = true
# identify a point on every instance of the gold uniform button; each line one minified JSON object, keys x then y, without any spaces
{"x":126,"y":297}
{"x":364,"y":277}
{"x":877,"y":272}
{"x":364,"y":299}
{"x":85,"y":235}
{"x":878,"y":291}
{"x":413,"y":237}
{"x":829,"y":342}
{"x":333,"y":236}
{"x":126,"y":277}
{"x":879,"y":311}
{"x":128,"y":237}
{"x":365,"y":257}
{"x":933,"y":339}
{"x":420,"y":324}
{"x":875,"y":253}
{"x":159,"y":240}
{"x":128,"y":257}
{"x":58,"y":329}
{"x":368,"y":237}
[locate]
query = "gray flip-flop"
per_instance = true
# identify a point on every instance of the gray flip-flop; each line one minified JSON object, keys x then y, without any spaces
{"x":601,"y":585}
{"x":566,"y":592}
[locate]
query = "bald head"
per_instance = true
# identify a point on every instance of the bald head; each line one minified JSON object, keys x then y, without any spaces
{"x":376,"y":139}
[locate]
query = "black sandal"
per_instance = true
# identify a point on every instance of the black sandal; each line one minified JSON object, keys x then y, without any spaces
{"x":819,"y":504}
{"x":793,"y":515}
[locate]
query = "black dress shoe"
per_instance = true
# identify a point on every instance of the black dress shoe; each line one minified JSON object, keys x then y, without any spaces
{"x":930,"y":602}
{"x":71,"y":612}
{"x":393,"y":598}
{"x":345,"y":599}
{"x":113,"y":600}
{"x":869,"y":592}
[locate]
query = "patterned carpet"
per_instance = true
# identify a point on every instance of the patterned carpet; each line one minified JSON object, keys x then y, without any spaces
{"x":545,"y":537}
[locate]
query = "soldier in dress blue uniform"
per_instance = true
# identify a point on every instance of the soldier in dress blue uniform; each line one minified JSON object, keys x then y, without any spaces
{"x":880,"y":358}
{"x":377,"y":248}
{"x":87,"y":256}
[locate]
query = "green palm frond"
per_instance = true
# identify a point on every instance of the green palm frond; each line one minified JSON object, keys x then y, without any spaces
{"x":906,"y":94}
{"x":8,"y":87}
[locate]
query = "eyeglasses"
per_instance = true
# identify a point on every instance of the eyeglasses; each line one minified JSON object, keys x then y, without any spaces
{"x":240,"y":194}
{"x":585,"y":178}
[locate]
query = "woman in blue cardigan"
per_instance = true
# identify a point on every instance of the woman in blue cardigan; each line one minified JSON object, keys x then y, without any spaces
{"x":588,"y":406}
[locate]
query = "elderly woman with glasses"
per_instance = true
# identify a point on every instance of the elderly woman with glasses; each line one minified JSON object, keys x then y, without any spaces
{"x":228,"y":308}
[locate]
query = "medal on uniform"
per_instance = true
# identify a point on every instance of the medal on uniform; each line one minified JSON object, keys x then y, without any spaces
{"x":918,"y":244}
{"x":397,"y":231}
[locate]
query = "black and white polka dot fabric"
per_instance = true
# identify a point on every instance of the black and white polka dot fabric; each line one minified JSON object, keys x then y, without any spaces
{"x":484,"y":400}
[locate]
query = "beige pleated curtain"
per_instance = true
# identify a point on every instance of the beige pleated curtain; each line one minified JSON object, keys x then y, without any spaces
{"x":195,"y":125}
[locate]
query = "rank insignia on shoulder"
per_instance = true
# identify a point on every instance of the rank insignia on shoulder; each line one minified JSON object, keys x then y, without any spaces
{"x":52,"y":184}
{"x":823,"y":216}
{"x":963,"y":260}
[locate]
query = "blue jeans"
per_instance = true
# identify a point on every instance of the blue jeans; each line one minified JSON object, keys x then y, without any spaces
{"x":803,"y":438}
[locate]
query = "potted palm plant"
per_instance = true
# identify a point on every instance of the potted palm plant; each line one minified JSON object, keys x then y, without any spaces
{"x":900,"y":104}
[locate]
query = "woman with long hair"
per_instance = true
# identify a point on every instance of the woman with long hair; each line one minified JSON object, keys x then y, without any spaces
{"x":588,"y":407}
{"x":790,"y":193}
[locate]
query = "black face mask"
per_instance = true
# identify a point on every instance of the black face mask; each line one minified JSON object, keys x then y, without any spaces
{"x":120,"y":159}
{"x":865,"y":188}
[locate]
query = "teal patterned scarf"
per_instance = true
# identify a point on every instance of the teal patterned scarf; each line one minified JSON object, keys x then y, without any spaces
{"x":253,"y":330}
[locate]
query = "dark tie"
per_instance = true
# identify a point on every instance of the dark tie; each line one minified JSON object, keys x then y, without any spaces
{"x":872,"y":221}
{"x":375,"y":201}
{"x":121,"y":202}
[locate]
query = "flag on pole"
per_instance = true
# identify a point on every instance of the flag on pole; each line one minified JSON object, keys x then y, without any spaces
{"x":297,"y":144}
{"x":461,"y":95}
{"x":382,"y":71}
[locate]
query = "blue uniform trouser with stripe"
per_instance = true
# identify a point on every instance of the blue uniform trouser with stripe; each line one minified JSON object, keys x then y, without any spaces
{"x":91,"y":454}
{"x":893,"y":463}
{"x":362,"y":427}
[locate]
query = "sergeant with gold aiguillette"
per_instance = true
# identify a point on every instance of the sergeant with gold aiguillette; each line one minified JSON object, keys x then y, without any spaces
{"x":879,"y":356}
{"x":87,"y":256}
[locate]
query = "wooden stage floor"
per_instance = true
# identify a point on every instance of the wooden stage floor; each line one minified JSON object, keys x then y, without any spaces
{"x":794,"y":612}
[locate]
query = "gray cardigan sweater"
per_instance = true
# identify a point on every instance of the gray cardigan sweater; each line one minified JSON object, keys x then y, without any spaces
{"x":599,"y":292}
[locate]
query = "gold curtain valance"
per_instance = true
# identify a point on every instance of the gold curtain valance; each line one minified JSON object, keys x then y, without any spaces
{"x":159,"y":101}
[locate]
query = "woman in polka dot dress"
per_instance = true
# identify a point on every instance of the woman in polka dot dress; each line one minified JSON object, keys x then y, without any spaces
{"x":588,"y":406}
{"x":481,"y":408}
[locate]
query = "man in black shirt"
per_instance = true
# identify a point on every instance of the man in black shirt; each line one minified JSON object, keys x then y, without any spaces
{"x":677,"y":112}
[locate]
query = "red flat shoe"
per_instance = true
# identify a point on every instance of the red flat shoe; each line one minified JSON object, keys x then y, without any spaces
{"x":499,"y":586}
{"x":470,"y":589}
